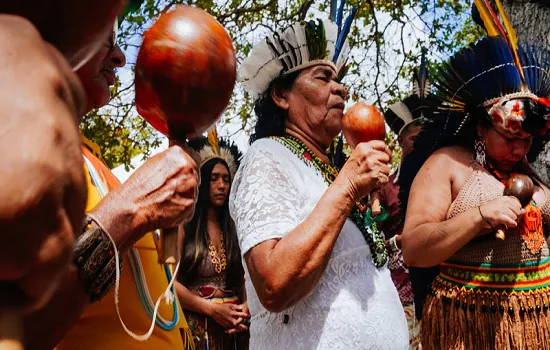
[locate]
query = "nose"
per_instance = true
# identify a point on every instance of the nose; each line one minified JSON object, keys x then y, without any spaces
{"x":520,"y":149}
{"x":117,"y":57}
{"x":339,"y":89}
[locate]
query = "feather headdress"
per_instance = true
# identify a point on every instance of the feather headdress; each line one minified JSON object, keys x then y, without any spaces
{"x":419,"y":105}
{"x":214,"y":147}
{"x":131,"y":7}
{"x":486,"y":80}
{"x":300,"y":46}
{"x":494,"y":74}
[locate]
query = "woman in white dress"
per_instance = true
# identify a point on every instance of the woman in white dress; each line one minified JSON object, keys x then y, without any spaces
{"x":316,"y":275}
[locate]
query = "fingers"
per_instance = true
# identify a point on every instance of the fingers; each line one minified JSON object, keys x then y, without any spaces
{"x":240,"y":328}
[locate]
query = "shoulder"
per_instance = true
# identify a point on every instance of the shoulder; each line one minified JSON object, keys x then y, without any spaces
{"x":448,"y":159}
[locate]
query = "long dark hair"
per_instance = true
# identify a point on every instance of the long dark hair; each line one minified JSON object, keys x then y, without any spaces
{"x":195,"y":242}
{"x":270,"y":117}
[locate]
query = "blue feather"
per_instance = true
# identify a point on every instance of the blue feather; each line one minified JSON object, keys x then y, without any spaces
{"x":344,"y":34}
{"x":333,"y":6}
{"x":340,"y":16}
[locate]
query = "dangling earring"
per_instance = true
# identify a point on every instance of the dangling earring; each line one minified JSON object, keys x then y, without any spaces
{"x":480,"y":147}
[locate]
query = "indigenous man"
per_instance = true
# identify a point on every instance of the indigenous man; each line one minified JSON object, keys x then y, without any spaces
{"x":160,"y":194}
{"x":43,"y":188}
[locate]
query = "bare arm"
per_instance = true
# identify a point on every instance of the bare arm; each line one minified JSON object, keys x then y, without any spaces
{"x":192,"y":302}
{"x":150,"y":193}
{"x":428,"y":239}
{"x":285,"y":271}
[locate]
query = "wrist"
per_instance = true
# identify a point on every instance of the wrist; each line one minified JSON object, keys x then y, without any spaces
{"x":484,"y":222}
{"x":344,"y":194}
{"x":119,"y":219}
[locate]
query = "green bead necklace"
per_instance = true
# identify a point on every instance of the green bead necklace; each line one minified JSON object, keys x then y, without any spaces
{"x":360,"y":215}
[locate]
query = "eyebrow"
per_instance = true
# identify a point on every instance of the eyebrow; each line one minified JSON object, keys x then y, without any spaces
{"x":326,"y":70}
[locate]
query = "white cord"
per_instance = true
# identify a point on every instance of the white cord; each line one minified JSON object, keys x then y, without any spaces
{"x":168,"y":295}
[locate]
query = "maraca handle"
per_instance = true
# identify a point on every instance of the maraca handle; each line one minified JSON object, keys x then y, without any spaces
{"x":169,"y":246}
{"x":11,"y":330}
{"x":375,"y":203}
{"x":500,"y":234}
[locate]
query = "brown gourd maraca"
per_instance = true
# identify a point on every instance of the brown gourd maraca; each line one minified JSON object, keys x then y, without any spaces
{"x":364,"y":123}
{"x":185,"y":73}
{"x":520,"y":187}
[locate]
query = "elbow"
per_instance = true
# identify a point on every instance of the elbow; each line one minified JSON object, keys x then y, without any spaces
{"x":412,"y":256}
{"x":274,"y":299}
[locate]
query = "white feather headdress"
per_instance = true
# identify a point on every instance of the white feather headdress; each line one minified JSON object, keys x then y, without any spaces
{"x":297,"y":47}
{"x":215,"y":147}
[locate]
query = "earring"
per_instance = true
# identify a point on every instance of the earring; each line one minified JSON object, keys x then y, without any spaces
{"x":480,"y":146}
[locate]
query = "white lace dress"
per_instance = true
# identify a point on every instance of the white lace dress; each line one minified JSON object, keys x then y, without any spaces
{"x":354,"y":306}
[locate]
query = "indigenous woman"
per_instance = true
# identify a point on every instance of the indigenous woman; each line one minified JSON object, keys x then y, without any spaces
{"x":405,"y":118}
{"x":489,"y":293}
{"x":211,"y":281}
{"x":316,"y":275}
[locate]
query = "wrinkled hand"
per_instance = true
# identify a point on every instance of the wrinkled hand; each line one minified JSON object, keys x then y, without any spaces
{"x":503,"y":211}
{"x":160,"y":194}
{"x":366,"y":169}
{"x":42,"y":178}
{"x":229,"y":316}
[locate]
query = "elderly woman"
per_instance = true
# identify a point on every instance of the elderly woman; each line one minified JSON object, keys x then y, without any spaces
{"x":316,"y":275}
{"x":489,"y":293}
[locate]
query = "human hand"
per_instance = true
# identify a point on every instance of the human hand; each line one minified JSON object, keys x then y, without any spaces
{"x":503,"y":211}
{"x":366,"y":169}
{"x":229,"y":316}
{"x":243,"y":326}
{"x":44,"y":189}
{"x":160,"y":194}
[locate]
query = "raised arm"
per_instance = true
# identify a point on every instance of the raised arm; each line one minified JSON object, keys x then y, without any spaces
{"x":428,"y":238}
{"x":159,"y":194}
{"x":287,"y":267}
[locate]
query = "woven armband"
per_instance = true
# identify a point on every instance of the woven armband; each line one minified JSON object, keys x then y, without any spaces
{"x":94,"y":257}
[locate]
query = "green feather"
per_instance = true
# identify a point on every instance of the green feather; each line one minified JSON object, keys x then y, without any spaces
{"x":132,"y":7}
{"x":316,"y":39}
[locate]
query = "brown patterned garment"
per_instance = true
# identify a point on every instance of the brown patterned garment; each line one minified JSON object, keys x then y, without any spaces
{"x":491,"y":294}
{"x":208,"y":282}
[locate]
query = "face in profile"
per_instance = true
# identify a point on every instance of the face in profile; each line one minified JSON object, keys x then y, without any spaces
{"x":98,"y":74}
{"x":315,"y":103}
{"x":407,"y":138}
{"x":220,"y":183}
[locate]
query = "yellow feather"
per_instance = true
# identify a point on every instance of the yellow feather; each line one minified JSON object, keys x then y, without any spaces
{"x":488,"y":21}
{"x":512,"y":38}
{"x":213,"y":140}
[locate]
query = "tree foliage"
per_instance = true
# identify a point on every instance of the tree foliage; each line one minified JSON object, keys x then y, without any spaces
{"x":386,"y":41}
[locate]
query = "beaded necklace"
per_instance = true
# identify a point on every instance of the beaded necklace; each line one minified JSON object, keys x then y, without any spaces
{"x":360,"y":215}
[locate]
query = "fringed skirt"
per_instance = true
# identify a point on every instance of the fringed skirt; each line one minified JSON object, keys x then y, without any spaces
{"x":209,"y":335}
{"x":488,"y":307}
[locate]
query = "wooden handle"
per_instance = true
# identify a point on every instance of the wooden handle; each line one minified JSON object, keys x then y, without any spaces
{"x":500,"y":234}
{"x":375,"y":203}
{"x":11,"y":329}
{"x":169,"y":246}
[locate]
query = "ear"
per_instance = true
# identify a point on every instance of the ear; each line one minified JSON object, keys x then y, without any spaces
{"x":400,"y":140}
{"x":280,"y":97}
{"x":481,"y":130}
